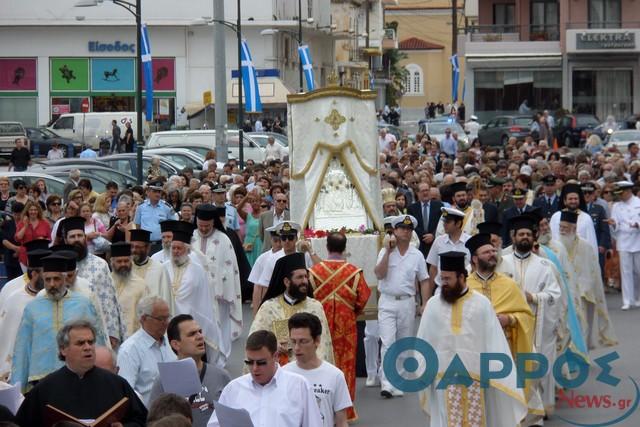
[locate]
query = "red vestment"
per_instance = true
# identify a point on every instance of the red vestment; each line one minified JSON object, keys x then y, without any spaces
{"x":343,"y":292}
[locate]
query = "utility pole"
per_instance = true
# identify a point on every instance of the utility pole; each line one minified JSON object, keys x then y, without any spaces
{"x":454,"y":27}
{"x":220,"y":82}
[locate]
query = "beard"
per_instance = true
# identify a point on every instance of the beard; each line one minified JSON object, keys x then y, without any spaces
{"x":123,"y":272}
{"x":462,"y":204}
{"x":56,"y":293}
{"x":179,"y":261}
{"x":524,"y":246}
{"x":296,"y":293}
{"x":81,"y":250}
{"x":451,"y":295}
{"x":489,"y":265}
{"x":166,"y":246}
{"x":567,"y":240}
{"x":544,"y":239}
{"x":139,"y":259}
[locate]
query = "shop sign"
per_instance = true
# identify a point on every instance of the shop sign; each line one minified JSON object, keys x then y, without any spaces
{"x":69,"y":74}
{"x":606,"y":40}
{"x":58,"y":109}
{"x":113,"y":74}
{"x":116,"y":46}
{"x":18,"y":74}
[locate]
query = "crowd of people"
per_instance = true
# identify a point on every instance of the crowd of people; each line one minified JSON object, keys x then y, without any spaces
{"x":103,"y":287}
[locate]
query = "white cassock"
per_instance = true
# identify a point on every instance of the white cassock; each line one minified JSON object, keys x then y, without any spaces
{"x":162,"y":256}
{"x":220,"y":263}
{"x":597,"y":327}
{"x":12,"y":303}
{"x":469,"y":328}
{"x":536,"y":275}
{"x":585,"y":228}
{"x":155,"y":277}
{"x":190,"y":295}
{"x":129,"y":292}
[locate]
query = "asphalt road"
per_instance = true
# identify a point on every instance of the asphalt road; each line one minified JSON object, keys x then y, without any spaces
{"x":374,"y":411}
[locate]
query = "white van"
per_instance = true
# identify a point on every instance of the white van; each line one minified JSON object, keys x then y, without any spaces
{"x":91,"y":127}
{"x":191,"y":139}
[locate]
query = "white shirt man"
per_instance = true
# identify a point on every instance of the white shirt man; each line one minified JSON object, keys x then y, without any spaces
{"x":55,"y":153}
{"x":625,"y":220}
{"x":271,"y":395}
{"x":398,"y":267}
{"x":139,"y":355}
{"x":273,"y":150}
{"x":328,"y":382}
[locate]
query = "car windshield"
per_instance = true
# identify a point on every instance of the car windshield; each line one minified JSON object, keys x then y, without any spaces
{"x":625,"y":136}
{"x":439,"y":128}
{"x":11,"y":129}
{"x":583,"y":121}
{"x":49,"y":133}
{"x":522,"y":121}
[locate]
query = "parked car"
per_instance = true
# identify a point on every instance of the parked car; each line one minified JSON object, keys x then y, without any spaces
{"x":127,"y":163}
{"x":55,"y":185}
{"x":41,"y":140}
{"x":9,"y":131}
{"x":207,"y":138}
{"x":180,"y":157}
{"x":88,"y":169}
{"x":436,"y":129}
{"x":572,"y":129}
{"x":622,"y":138}
{"x":498,"y":130}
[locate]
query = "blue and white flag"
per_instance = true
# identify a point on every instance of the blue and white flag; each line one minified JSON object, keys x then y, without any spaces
{"x":252,"y":102}
{"x":307,"y":67}
{"x":148,"y":70}
{"x":455,"y":67}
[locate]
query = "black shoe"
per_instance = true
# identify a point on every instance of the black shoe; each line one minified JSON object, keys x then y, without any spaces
{"x":386,"y":394}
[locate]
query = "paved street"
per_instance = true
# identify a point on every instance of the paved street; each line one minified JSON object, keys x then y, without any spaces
{"x":375,"y":411}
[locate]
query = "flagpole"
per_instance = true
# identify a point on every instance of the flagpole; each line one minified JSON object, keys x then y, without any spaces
{"x":300,"y":44}
{"x":240,"y":105}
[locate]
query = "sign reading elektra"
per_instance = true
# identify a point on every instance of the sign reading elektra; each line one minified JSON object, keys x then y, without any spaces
{"x":116,"y":46}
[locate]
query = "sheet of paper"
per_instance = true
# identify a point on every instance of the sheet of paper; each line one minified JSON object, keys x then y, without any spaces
{"x":231,"y":417}
{"x":180,"y":377}
{"x":10,"y":396}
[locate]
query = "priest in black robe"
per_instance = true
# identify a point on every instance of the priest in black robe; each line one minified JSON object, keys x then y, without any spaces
{"x":80,"y":388}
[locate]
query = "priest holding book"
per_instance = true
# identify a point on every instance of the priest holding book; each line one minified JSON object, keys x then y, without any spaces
{"x":80,"y":391}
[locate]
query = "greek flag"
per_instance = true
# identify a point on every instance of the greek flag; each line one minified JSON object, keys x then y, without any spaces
{"x":455,"y":67}
{"x":307,"y":67}
{"x":252,"y":103}
{"x":148,"y":70}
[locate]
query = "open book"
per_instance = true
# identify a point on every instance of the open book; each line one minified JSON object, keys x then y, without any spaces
{"x":114,"y":414}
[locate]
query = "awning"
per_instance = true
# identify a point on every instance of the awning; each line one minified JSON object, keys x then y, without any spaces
{"x":273,"y":93}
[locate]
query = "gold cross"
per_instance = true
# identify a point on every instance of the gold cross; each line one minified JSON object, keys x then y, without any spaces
{"x":335,"y":119}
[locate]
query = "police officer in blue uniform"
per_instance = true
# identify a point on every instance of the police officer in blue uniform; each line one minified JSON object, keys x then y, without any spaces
{"x":152,"y":212}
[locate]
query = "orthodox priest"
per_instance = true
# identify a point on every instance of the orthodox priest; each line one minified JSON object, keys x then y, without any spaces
{"x":536,"y":278}
{"x":147,"y":269}
{"x":34,"y":356}
{"x":572,"y":199}
{"x":12,"y":304}
{"x":473,"y":211}
{"x":191,"y":294}
{"x":289,"y":292}
{"x":462,"y":322}
{"x":343,"y":292}
{"x":219,"y":261}
{"x":597,"y":328}
{"x":244,"y":268}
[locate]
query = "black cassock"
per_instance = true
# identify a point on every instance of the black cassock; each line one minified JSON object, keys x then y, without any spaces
{"x":84,"y":398}
{"x":244,"y":267}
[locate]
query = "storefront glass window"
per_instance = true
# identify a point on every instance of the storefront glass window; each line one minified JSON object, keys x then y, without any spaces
{"x":603,"y":93}
{"x":113,"y":103}
{"x":19,"y":109}
{"x":502,"y":92}
{"x":164,"y":113}
{"x":65,"y":105}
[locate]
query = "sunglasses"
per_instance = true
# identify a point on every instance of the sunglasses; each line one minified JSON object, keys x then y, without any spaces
{"x":281,"y":201}
{"x":290,"y":237}
{"x":55,"y":204}
{"x":261,"y":362}
{"x":264,"y":206}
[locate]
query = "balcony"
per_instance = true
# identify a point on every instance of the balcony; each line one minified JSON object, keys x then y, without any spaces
{"x":511,"y":40}
{"x":603,"y":25}
{"x":389,"y":40}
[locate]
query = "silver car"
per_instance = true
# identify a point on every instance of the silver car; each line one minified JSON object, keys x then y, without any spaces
{"x":622,"y":138}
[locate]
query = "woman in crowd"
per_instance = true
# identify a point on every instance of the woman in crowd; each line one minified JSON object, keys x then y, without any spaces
{"x":54,"y":209}
{"x":401,"y":203}
{"x":21,"y":195}
{"x":5,"y":194}
{"x":209,"y":160}
{"x":101,"y":208}
{"x":175,"y":199}
{"x":121,"y":224}
{"x":86,"y":187}
{"x":44,"y":192}
{"x":93,"y":229}
{"x":32,"y":227}
{"x":252,"y":243}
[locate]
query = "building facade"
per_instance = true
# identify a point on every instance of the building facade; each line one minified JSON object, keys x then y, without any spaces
{"x":578,"y":55}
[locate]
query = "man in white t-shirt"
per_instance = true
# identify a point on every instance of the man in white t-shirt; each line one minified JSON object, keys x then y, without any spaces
{"x":400,"y":265}
{"x":327,"y":381}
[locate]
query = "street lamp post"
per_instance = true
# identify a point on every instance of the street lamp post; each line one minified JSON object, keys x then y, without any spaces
{"x":136,"y":10}
{"x":300,"y":43}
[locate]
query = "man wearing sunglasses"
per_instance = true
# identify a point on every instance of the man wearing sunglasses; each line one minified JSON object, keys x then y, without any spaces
{"x":272,"y":217}
{"x":271,"y":395}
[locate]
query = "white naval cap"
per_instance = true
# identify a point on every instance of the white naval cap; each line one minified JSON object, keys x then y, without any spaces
{"x":388,"y":220}
{"x":446,"y":212}
{"x":404,"y":220}
{"x":624,"y":185}
{"x":287,"y":227}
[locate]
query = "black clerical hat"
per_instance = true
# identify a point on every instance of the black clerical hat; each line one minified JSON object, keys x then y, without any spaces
{"x":168,"y":225}
{"x":119,"y":249}
{"x":522,"y":221}
{"x":34,"y":257}
{"x":535,"y":213}
{"x":72,"y":223}
{"x":283,"y":267}
{"x":457,"y":187}
{"x":140,"y":235}
{"x":571,"y":188}
{"x":206,"y":212}
{"x":71,"y":258}
{"x":182,"y":236}
{"x":36,"y":244}
{"x":452,"y":261}
{"x":54,"y":263}
{"x":476,"y":241}
{"x":569,"y":216}
{"x":490,"y":228}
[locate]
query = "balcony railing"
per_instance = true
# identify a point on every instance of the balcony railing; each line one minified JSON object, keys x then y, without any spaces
{"x":513,"y":33}
{"x":603,"y":25}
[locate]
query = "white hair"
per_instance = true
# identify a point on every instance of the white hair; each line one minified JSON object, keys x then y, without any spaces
{"x":145,"y":305}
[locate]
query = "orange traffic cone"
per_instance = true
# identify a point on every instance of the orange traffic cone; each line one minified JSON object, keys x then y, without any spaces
{"x":555,"y":144}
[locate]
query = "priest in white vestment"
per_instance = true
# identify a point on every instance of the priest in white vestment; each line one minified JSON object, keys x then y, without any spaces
{"x":536,"y":277}
{"x":191,"y":295}
{"x":573,"y":200}
{"x":462,"y":322}
{"x":149,"y":270}
{"x":221,"y":265}
{"x":597,"y":326}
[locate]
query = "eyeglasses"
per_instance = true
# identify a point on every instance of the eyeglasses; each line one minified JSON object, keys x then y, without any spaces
{"x":21,"y":187}
{"x":290,"y":237}
{"x":160,"y":319}
{"x":264,"y":206}
{"x":281,"y":201}
{"x":55,"y":204}
{"x":261,"y":362}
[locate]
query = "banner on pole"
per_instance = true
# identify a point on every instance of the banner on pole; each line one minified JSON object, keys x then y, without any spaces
{"x":147,"y":64}
{"x":307,"y":66}
{"x":252,"y":102}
